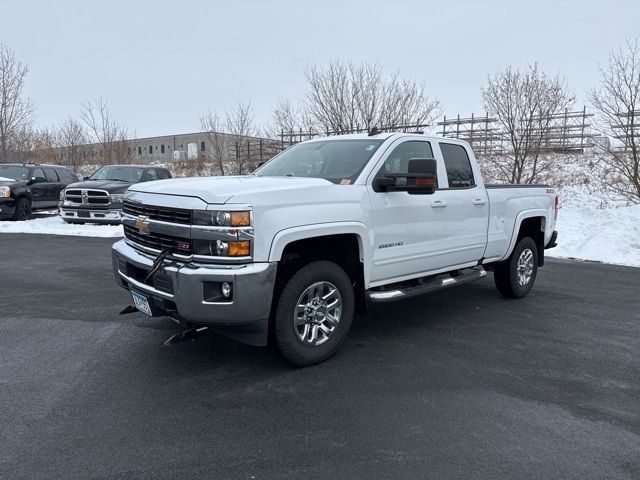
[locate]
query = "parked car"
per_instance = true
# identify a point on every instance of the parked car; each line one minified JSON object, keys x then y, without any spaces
{"x":27,"y":187}
{"x":98,"y":199}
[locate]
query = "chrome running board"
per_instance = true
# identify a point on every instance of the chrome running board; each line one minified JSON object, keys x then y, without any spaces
{"x":437,"y":283}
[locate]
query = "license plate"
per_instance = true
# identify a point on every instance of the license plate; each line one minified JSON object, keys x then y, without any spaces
{"x":141,"y":303}
{"x":82,"y":214}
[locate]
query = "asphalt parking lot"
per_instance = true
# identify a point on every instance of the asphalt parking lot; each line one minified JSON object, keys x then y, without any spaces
{"x":459,"y":384}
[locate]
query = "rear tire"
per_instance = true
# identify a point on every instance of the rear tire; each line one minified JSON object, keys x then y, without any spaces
{"x":515,"y":276}
{"x":23,"y":209}
{"x":313,"y":313}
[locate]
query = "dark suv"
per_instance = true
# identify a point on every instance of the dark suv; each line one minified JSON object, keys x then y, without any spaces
{"x":98,"y":199}
{"x":27,"y":187}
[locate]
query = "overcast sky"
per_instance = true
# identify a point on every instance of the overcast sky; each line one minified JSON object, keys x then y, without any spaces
{"x":161,"y":64}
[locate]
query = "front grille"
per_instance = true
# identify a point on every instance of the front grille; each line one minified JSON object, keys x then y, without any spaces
{"x":164,"y":214}
{"x":159,"y":241}
{"x":87,"y":197}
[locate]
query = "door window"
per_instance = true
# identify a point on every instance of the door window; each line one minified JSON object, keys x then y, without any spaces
{"x":458,"y":166}
{"x":38,"y":173}
{"x":51,"y":175}
{"x":398,"y":159}
{"x":151,"y":175}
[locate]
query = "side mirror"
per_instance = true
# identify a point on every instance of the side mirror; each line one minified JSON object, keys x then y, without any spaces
{"x":37,"y":180}
{"x":85,"y":178}
{"x":421,"y":178}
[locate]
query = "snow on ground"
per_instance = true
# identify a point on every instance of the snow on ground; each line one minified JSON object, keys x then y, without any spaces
{"x":53,"y":224}
{"x":587,"y":230}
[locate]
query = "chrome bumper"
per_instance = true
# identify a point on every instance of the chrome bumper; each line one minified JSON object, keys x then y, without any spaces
{"x":112,"y":216}
{"x":192,"y":292}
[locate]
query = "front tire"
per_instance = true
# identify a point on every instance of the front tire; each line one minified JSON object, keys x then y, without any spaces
{"x":515,"y":276}
{"x":23,"y":209}
{"x":314,"y":312}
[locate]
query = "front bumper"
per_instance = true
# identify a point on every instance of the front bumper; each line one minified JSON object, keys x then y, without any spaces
{"x":7,"y":207}
{"x":90,"y":215}
{"x":191,"y":292}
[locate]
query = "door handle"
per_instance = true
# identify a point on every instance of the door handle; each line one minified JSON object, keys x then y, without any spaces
{"x":479,"y":201}
{"x":438,"y":204}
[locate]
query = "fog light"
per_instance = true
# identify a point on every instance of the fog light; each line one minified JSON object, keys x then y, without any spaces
{"x":226,"y":289}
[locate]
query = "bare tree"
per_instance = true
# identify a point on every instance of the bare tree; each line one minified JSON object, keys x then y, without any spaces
{"x":46,"y":146}
{"x":218,"y":143}
{"x":16,"y":111}
{"x":112,"y":140}
{"x":617,"y":101}
{"x":345,"y":97}
{"x":289,"y":124}
{"x":524,"y":103}
{"x":72,"y":141}
{"x":240,"y":126}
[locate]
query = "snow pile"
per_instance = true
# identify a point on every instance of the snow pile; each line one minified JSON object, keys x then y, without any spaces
{"x":609,"y":235}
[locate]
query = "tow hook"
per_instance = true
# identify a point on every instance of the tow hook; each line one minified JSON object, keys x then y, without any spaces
{"x":128,"y":309}
{"x":190,"y":334}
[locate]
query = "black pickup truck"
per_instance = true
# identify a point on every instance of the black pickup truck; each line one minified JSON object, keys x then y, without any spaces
{"x":27,"y":187}
{"x":98,"y":199}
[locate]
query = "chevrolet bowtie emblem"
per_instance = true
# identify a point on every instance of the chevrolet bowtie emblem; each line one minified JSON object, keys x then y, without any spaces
{"x":143,"y":224}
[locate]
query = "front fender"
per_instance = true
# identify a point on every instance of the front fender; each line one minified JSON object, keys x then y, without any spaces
{"x":289,"y":235}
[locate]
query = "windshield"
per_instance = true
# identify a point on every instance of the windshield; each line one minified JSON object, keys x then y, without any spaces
{"x":339,"y":161}
{"x":12,"y":172}
{"x":118,"y":173}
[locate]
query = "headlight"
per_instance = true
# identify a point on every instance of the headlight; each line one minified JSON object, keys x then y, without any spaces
{"x":222,"y":219}
{"x":62,"y":194}
{"x":221,"y":248}
{"x":5,"y":192}
{"x":117,"y":197}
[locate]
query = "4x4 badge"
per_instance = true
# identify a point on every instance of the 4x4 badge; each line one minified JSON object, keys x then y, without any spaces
{"x":143,"y":225}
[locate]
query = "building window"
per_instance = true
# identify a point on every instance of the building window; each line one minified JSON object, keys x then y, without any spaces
{"x":139,"y":150}
{"x":150,"y":149}
{"x":161,"y":148}
{"x":202,"y":146}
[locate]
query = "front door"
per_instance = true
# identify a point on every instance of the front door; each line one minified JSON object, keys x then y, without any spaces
{"x":410,"y":234}
{"x":39,"y":189}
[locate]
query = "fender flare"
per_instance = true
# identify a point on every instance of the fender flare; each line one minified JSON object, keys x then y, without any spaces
{"x":289,"y":235}
{"x":521,"y":217}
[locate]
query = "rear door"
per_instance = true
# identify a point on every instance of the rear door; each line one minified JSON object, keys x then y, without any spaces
{"x":465,"y":202}
{"x":54,"y":186}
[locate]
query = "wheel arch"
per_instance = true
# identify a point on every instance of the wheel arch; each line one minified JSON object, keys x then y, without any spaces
{"x":531,"y":224}
{"x":345,"y":246}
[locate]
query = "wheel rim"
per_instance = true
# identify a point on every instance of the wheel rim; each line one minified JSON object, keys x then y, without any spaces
{"x":24,"y":209}
{"x":524,"y":268}
{"x":318,"y":313}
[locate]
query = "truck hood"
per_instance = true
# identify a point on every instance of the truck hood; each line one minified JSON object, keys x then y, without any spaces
{"x":108,"y":185}
{"x":11,"y":183}
{"x":219,"y":190}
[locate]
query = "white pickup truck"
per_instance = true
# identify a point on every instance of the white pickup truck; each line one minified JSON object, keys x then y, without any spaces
{"x":322,"y":231}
